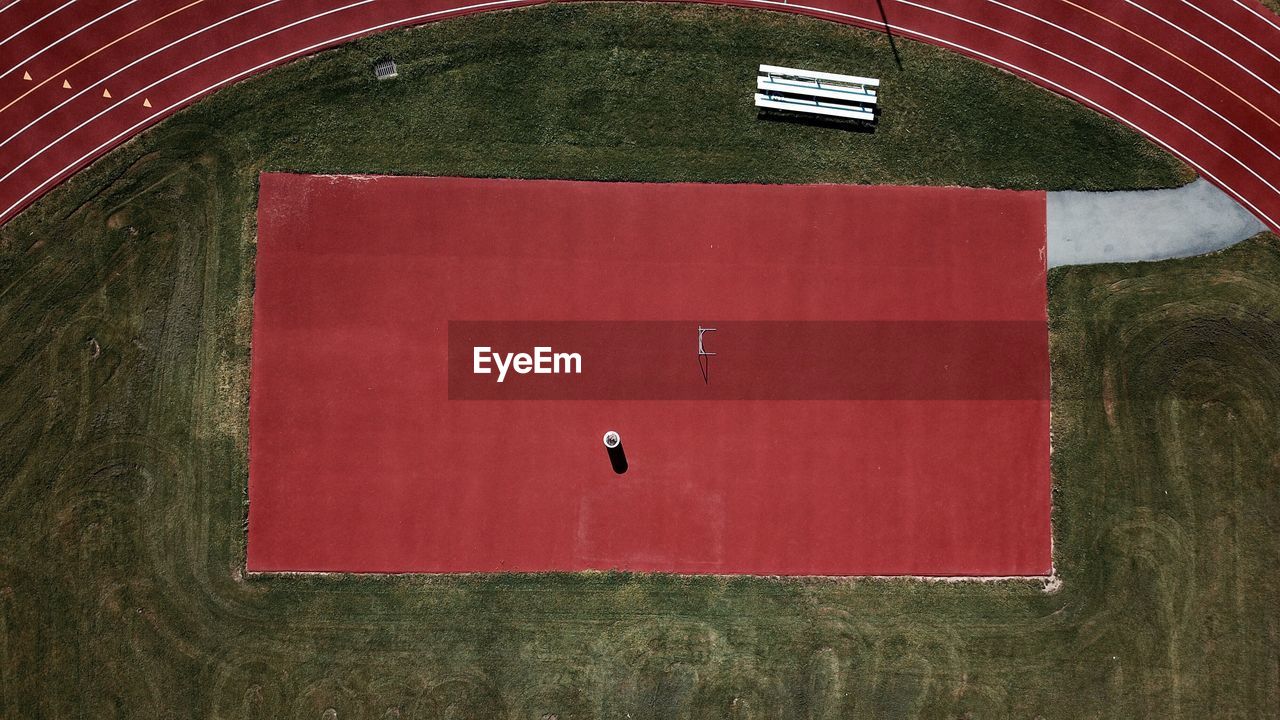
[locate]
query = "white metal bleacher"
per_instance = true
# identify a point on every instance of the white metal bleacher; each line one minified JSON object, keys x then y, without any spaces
{"x":816,"y":93}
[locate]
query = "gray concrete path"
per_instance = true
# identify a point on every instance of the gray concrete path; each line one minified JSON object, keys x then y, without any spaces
{"x":1096,"y":227}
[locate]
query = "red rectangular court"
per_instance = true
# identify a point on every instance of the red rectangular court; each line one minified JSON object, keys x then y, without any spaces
{"x":878,"y":403}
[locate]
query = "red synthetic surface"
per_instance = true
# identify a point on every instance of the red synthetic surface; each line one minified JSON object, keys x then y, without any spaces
{"x":1199,"y":77}
{"x":360,"y":461}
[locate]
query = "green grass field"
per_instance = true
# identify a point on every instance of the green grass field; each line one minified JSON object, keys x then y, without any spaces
{"x":124,"y":307}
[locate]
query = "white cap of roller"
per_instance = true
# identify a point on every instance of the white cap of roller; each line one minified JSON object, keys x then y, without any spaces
{"x":612,"y":439}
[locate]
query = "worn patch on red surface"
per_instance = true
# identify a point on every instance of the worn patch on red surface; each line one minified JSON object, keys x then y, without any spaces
{"x":878,"y":403}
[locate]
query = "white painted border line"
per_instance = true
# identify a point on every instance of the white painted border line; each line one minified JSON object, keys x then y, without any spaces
{"x":37,"y":53}
{"x":1260,"y":16}
{"x":995,"y":2}
{"x":35,"y":22}
{"x":1051,"y":582}
{"x":176,"y":73}
{"x":1160,"y":78}
{"x":1238,"y":34}
{"x":776,"y":4}
{"x":1064,"y":90}
{"x":100,"y":81}
{"x":233,"y":78}
{"x":1193,"y":36}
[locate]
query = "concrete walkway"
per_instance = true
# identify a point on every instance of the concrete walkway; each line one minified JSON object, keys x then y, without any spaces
{"x":1097,"y":227}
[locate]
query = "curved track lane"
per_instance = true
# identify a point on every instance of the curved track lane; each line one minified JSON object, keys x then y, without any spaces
{"x":1199,"y":77}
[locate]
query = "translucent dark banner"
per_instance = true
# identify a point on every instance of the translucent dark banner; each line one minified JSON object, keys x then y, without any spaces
{"x":751,"y":360}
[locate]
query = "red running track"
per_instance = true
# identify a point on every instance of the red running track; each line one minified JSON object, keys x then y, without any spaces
{"x":879,"y":403}
{"x":1199,"y":77}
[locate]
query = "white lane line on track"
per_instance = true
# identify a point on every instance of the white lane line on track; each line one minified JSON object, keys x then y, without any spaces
{"x":37,"y":53}
{"x":1017,"y":10}
{"x":275,"y":61}
{"x":1260,"y":16}
{"x":99,"y":82}
{"x":6,"y":7}
{"x":1228,"y":58}
{"x":1238,"y":34}
{"x":995,"y":2}
{"x":1073,"y":63}
{"x":774,"y":4}
{"x":1175,"y":56}
{"x":1078,"y":96}
{"x":175,"y":73}
{"x":122,"y":38}
{"x":1144,"y":69}
{"x":35,"y":22}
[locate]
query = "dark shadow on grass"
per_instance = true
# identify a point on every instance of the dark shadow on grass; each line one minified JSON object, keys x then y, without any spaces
{"x":888,"y":30}
{"x":860,"y":126}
